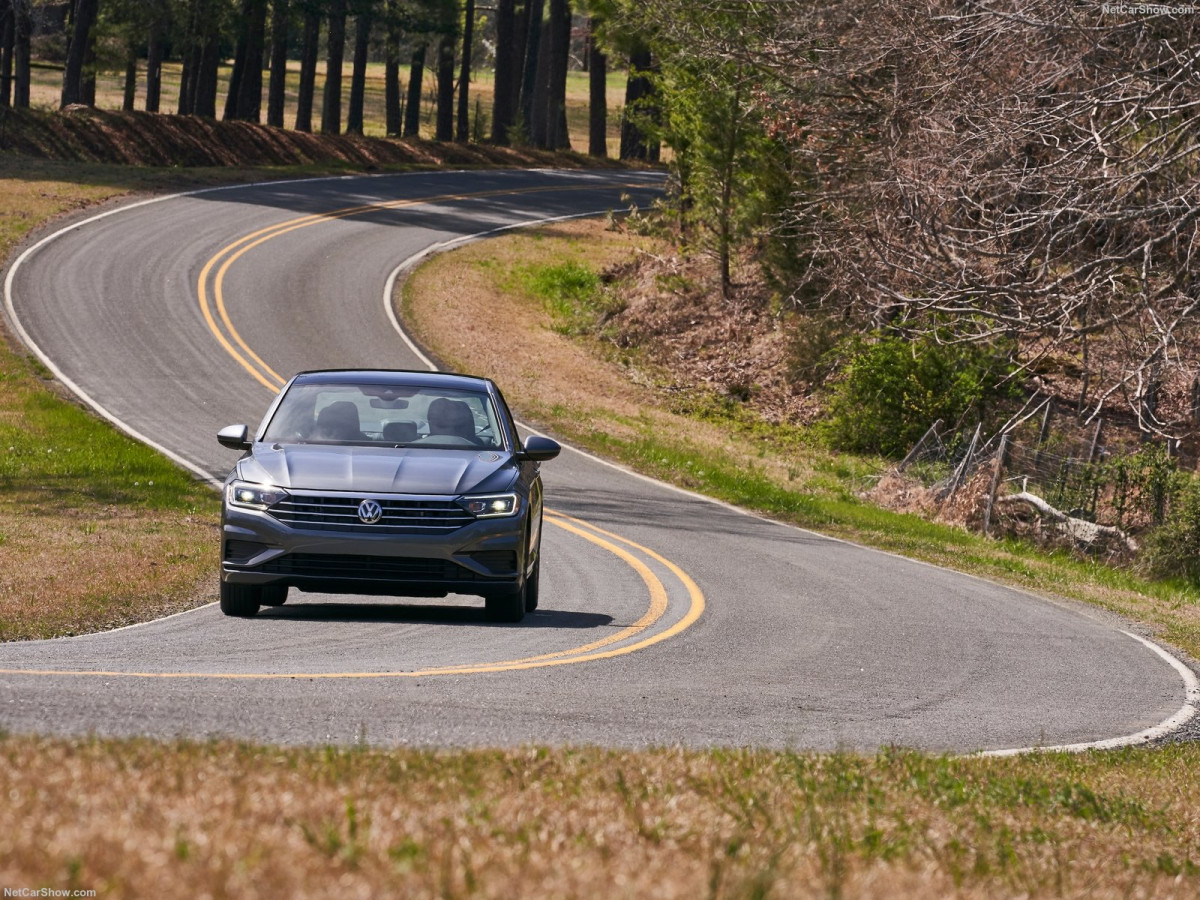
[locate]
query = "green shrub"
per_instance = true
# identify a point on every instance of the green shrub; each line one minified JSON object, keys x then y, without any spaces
{"x":1173,"y":550}
{"x":571,"y":292}
{"x":893,"y":389}
{"x":1144,"y":485}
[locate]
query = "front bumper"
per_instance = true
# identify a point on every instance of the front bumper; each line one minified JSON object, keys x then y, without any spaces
{"x":483,"y":557}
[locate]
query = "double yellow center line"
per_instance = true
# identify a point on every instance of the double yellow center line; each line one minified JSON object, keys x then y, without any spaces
{"x":213,"y":307}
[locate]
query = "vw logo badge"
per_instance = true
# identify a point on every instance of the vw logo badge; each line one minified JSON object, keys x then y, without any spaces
{"x":370,"y":512}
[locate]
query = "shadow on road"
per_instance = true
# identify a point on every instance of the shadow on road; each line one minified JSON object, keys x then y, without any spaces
{"x":442,"y":615}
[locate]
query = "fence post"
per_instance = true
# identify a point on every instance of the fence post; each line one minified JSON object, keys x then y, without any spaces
{"x":918,"y":445}
{"x":1095,"y":440}
{"x":965,"y":464}
{"x":1043,"y":433}
{"x":997,"y":470}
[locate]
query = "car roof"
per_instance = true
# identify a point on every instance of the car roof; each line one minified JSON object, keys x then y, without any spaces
{"x":398,"y":377}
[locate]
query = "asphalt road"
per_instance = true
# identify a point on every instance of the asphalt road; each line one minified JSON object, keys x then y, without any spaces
{"x":665,"y":618}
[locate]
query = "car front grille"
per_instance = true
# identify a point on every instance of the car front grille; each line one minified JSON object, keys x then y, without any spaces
{"x":400,"y":515}
{"x":366,"y":568}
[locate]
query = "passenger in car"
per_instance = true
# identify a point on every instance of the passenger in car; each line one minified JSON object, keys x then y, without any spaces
{"x":452,"y":417}
{"x":338,"y":422}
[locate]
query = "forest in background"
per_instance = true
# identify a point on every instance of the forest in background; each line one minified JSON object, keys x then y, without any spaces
{"x":428,"y":49}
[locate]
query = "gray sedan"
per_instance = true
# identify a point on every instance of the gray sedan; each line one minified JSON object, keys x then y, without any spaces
{"x":401,"y":483}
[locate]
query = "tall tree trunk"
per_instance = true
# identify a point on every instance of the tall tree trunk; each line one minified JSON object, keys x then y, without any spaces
{"x":154,"y":59}
{"x":187,"y":76}
{"x":391,"y":73}
{"x":235,"y":79}
{"x":728,"y":171}
{"x":536,"y":124}
{"x":130,"y":93}
{"x":22,"y":31}
{"x":85,"y":17}
{"x":533,"y":37}
{"x":520,"y":43}
{"x":633,"y":140}
{"x":308,"y":68}
{"x":548,"y":112}
{"x":464,"y":78}
{"x":331,"y":110}
{"x":358,"y":77}
{"x":192,"y":53}
{"x":244,"y":100}
{"x":205,"y":103}
{"x":8,"y":37}
{"x":412,"y":110}
{"x":87,"y":80}
{"x":445,"y":87}
{"x":277,"y":85}
{"x":597,"y":96}
{"x":249,"y":103}
{"x":556,"y":98}
{"x":508,"y":68}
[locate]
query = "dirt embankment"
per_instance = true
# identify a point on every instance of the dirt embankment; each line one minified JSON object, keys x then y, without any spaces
{"x":84,"y":134}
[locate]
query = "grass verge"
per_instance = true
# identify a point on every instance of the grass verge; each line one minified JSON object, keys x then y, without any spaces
{"x":141,"y":818}
{"x":550,"y":342}
{"x":96,"y":530}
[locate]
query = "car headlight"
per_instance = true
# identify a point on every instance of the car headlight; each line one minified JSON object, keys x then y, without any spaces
{"x":254,"y":496}
{"x":490,"y":506}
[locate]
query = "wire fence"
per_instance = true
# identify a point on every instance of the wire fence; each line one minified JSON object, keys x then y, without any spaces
{"x":1047,"y":463}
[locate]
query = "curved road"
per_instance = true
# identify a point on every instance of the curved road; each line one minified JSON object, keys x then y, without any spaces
{"x":666,"y":618}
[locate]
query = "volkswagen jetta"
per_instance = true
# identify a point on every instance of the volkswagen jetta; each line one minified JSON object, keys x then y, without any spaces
{"x":384,"y":482}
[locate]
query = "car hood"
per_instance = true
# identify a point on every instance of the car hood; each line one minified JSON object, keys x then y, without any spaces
{"x":378,"y":470}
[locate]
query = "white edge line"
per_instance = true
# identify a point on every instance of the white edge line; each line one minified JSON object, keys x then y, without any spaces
{"x":92,"y":634}
{"x":1190,"y":683}
{"x":1182,"y":717}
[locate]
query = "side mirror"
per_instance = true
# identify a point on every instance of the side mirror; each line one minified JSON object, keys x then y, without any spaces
{"x":235,"y":437}
{"x":539,"y":449}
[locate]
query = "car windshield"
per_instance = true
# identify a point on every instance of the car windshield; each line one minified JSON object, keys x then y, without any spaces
{"x":386,"y":415}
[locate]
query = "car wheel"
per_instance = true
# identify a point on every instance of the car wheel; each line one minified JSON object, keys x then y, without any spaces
{"x":274,"y":594}
{"x":506,"y":607}
{"x":531,"y":586}
{"x":240,"y":599}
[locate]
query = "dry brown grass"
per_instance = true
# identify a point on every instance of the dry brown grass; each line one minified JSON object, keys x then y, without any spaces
{"x":95,"y":530}
{"x":96,"y":567}
{"x":140,"y":819}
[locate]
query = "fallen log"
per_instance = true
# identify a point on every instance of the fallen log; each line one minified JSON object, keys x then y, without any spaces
{"x":1081,"y":531}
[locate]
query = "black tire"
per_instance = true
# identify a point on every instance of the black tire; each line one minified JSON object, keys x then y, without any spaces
{"x":274,"y":594}
{"x":241,"y":600}
{"x":507,"y":607}
{"x":532,"y":584}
